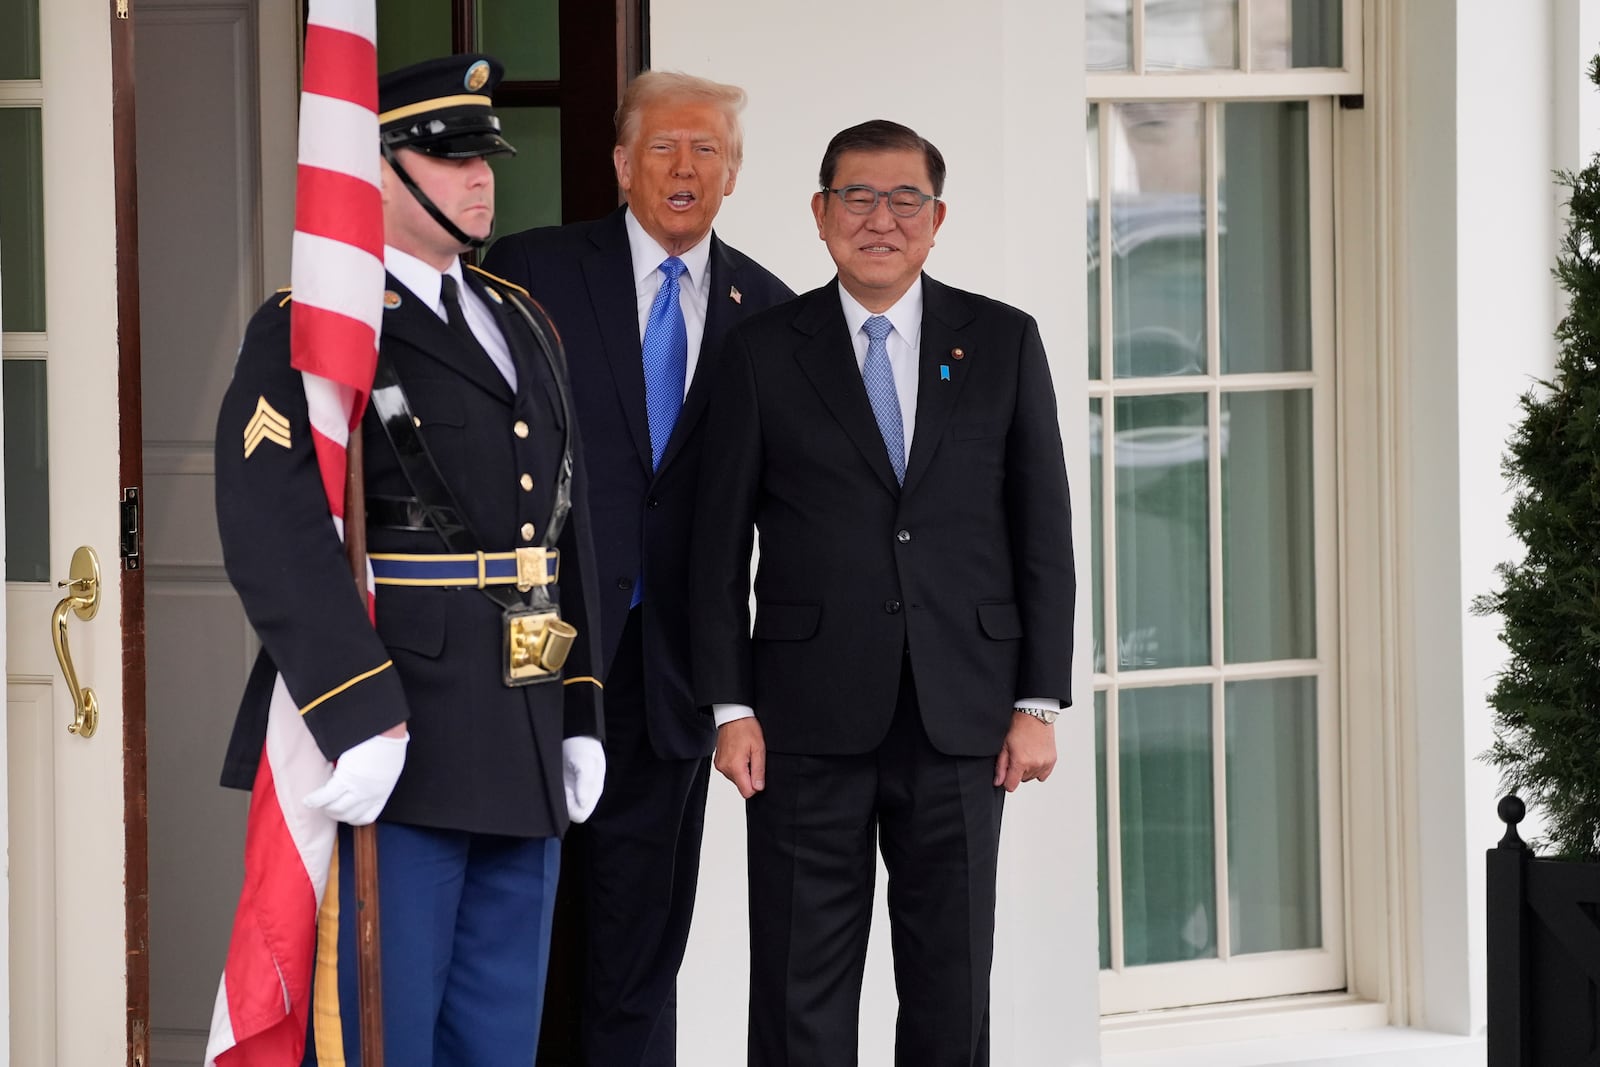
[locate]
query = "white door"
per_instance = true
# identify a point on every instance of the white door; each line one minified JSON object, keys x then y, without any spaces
{"x":65,"y":817}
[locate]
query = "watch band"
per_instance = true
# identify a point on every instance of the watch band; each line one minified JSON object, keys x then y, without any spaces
{"x":1042,"y":714}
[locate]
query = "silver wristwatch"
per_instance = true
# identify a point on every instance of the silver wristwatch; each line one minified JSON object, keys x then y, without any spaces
{"x":1044,"y":715}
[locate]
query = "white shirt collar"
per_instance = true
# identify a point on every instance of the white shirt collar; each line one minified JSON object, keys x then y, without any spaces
{"x":905,"y":314}
{"x":648,"y":255}
{"x":419,"y":277}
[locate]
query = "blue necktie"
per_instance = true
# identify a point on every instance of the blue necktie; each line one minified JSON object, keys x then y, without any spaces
{"x":879,"y":379}
{"x":666,"y":359}
{"x":666,"y":366}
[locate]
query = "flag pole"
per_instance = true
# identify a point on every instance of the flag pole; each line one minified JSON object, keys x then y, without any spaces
{"x":364,"y":838}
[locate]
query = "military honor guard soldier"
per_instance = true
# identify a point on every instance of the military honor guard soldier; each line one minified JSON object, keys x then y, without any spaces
{"x":455,"y":723}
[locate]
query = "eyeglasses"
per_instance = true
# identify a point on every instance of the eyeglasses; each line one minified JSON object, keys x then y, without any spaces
{"x":905,"y":201}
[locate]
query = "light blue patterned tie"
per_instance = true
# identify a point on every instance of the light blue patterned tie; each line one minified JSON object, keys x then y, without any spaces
{"x":666,"y":359}
{"x":879,"y":379}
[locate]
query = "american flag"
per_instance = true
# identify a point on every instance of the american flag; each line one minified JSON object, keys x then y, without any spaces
{"x":338,"y":278}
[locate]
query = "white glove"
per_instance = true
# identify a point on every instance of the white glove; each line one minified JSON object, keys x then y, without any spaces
{"x":362,"y":780}
{"x":583,"y":775}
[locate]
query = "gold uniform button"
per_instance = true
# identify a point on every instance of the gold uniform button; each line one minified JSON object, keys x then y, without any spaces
{"x":527,"y":483}
{"x":527,"y":531}
{"x":519,"y":428}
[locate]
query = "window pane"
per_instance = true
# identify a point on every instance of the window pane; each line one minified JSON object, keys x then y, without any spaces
{"x":1264,"y":247}
{"x":1108,"y":34}
{"x":527,"y":186}
{"x":1274,"y":863}
{"x":525,"y":35}
{"x":1102,"y":837}
{"x":1296,"y":33}
{"x":410,"y":31}
{"x":21,"y":220}
{"x":1169,"y":889}
{"x":1269,"y":581}
{"x":1092,"y":139}
{"x":1163,"y":577}
{"x":19,"y":44}
{"x":1097,"y":547}
{"x":1191,"y":34}
{"x":27,"y":467}
{"x":1158,"y":234}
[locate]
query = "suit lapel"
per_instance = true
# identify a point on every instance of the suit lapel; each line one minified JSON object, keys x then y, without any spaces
{"x":608,"y":273}
{"x":721,"y":313}
{"x":827,"y":356}
{"x":940,"y":374}
{"x":410,"y":322}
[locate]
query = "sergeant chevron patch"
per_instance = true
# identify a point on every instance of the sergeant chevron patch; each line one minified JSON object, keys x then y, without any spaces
{"x":265,"y":425}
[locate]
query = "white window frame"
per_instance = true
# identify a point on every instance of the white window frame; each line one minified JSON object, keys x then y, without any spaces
{"x":1216,"y":986}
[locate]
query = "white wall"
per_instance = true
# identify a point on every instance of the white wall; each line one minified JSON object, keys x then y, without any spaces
{"x":1477,"y":248}
{"x":998,"y":87}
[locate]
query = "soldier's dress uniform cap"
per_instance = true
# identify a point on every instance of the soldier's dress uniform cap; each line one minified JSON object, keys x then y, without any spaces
{"x":443,"y":107}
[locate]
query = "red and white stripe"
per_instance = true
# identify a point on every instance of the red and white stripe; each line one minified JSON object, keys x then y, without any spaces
{"x":338,"y":279}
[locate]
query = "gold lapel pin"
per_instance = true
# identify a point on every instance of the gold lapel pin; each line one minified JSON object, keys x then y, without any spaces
{"x":391,"y":299}
{"x":956,"y":353}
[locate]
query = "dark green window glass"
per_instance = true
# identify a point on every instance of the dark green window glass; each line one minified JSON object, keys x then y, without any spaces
{"x":1169,"y":886}
{"x":410,"y":31}
{"x":1288,"y":34}
{"x":19,"y":42}
{"x":1102,"y":838}
{"x":1274,"y":861}
{"x":527,"y":187}
{"x":21,"y":220}
{"x":27,"y":467}
{"x":1265,"y":247}
{"x":1269,"y":579}
{"x":525,"y":35}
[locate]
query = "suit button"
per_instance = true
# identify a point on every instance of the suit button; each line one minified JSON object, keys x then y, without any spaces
{"x":892,"y":607}
{"x":527,"y":483}
{"x":903,"y":536}
{"x":527,"y":531}
{"x":652,"y":503}
{"x":519,"y":428}
{"x":624,"y":584}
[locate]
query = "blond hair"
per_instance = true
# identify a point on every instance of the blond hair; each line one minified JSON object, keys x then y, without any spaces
{"x":659,"y":86}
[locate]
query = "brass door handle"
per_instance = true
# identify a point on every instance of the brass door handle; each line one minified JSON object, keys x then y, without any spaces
{"x":83,"y":600}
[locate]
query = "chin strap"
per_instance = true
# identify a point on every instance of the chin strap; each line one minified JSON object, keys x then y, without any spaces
{"x":428,"y":205}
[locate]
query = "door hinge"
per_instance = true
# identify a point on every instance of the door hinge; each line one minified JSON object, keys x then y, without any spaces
{"x":122,"y":9}
{"x":130,"y":528}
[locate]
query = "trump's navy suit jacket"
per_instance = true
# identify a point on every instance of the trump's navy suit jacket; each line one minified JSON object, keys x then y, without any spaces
{"x":583,"y":275}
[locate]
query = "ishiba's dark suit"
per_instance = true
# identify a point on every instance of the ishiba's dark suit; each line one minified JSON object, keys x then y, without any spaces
{"x":640,"y":851}
{"x":894,"y":627}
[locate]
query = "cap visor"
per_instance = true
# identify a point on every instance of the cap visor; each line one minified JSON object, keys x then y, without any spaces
{"x":462,"y":145}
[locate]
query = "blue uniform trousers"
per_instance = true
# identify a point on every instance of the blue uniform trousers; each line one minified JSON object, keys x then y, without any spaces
{"x":464,"y":920}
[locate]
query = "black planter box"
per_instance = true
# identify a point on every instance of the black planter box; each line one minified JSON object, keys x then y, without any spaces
{"x":1544,"y":955}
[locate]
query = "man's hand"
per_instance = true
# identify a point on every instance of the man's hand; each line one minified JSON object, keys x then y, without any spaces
{"x":1029,"y":753}
{"x":742,"y":755}
{"x":362,"y":779}
{"x":583,"y":775}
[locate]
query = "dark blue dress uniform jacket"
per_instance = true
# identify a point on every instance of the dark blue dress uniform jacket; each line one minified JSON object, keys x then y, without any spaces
{"x":483,"y":757}
{"x":643,"y":517}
